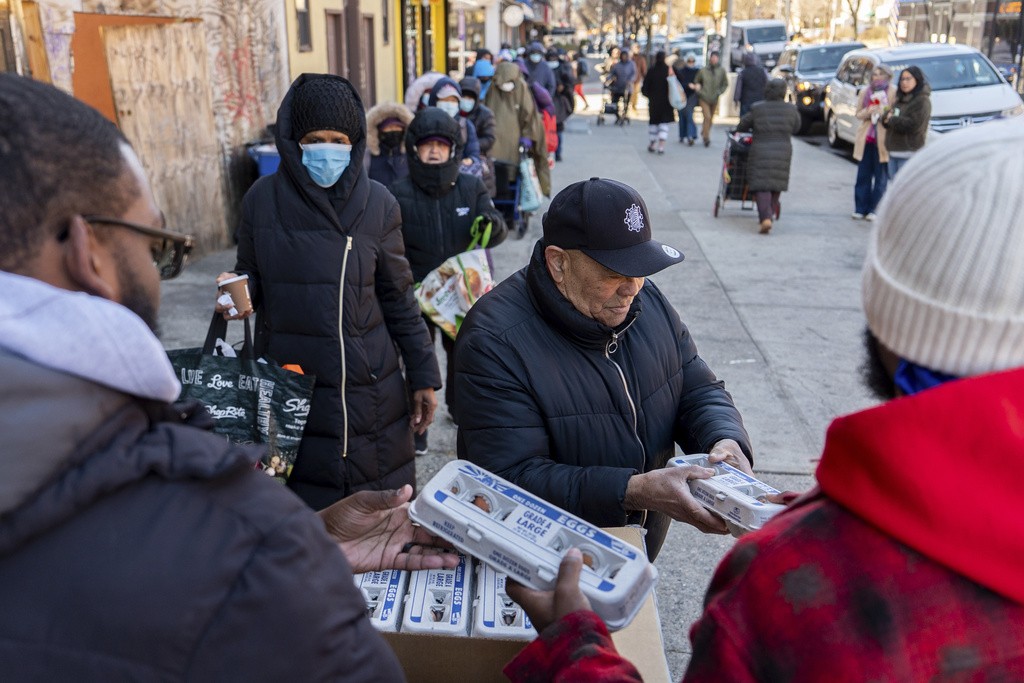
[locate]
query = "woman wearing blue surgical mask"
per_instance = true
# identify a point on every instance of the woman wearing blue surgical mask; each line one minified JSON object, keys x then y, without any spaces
{"x":332,"y":292}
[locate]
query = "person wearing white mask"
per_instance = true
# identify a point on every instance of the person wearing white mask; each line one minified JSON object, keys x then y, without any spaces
{"x":332,"y":292}
{"x":446,"y":95}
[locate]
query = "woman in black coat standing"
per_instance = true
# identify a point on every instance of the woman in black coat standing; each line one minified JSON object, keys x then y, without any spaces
{"x":332,"y":291}
{"x":655,"y":89}
{"x":773,"y":123}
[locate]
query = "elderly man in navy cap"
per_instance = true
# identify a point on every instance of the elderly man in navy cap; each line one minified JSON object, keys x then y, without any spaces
{"x":576,"y":379}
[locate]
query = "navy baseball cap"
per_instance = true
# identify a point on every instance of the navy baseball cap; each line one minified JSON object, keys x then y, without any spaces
{"x":608,"y":221}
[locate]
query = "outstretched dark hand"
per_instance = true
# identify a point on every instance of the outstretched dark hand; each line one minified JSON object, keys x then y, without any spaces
{"x":547,"y":607}
{"x":374,"y":531}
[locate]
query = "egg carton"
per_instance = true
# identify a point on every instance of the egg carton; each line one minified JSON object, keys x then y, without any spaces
{"x":384,"y":592}
{"x":526,"y":537}
{"x":439,"y":600}
{"x":495,"y":615}
{"x":733,"y":495}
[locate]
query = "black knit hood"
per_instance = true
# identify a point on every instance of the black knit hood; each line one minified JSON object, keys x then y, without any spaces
{"x":434,"y":179}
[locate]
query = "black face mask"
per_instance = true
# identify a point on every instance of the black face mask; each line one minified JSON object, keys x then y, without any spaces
{"x":436,"y":180}
{"x":391,"y":139}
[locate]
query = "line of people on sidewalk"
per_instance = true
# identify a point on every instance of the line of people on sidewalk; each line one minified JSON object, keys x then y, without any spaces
{"x":560,"y":385}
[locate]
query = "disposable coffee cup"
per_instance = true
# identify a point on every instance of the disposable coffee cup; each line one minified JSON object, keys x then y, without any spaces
{"x":238,"y":289}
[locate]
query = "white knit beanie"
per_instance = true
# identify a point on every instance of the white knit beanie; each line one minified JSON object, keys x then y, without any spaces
{"x":943,"y":282}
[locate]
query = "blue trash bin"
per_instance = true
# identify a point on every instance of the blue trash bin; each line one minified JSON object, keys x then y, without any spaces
{"x":266,"y":157}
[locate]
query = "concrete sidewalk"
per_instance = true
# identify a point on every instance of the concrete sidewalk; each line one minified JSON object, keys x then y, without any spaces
{"x":777,"y":317}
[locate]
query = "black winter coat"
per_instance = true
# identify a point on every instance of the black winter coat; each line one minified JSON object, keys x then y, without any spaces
{"x":685,"y":75}
{"x":150,"y":550}
{"x":483,"y":119}
{"x":541,"y":401}
{"x":773,"y":123}
{"x":655,"y":89}
{"x":388,"y":166}
{"x":435,"y":228}
{"x":314,"y":256}
{"x":750,"y":83}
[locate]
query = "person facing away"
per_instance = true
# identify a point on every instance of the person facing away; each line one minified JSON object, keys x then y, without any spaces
{"x":576,"y":379}
{"x":773,"y":122}
{"x":655,"y":89}
{"x":685,"y":70}
{"x":750,"y":83}
{"x":517,"y":121}
{"x":439,"y":207}
{"x":134,"y":543}
{"x":873,"y":575}
{"x":869,"y":149}
{"x":711,"y":82}
{"x":906,"y":121}
{"x":332,"y":292}
{"x":385,"y":159}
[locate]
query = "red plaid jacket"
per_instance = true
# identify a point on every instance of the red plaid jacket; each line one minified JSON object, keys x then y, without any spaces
{"x":907,"y":565}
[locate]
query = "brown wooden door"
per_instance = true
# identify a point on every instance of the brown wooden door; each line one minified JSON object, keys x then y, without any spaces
{"x":367,"y":62}
{"x":337,"y":63}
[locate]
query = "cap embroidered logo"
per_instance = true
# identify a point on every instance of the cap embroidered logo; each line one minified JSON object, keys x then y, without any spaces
{"x":634,"y":219}
{"x":672,"y":253}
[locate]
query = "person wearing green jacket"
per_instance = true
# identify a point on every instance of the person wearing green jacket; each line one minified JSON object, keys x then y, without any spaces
{"x":711,"y":82}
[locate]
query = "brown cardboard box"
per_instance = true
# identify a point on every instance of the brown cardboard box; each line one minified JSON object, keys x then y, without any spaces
{"x":448,"y":659}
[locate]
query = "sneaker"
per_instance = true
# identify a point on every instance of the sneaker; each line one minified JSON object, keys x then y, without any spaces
{"x":870,"y":216}
{"x":650,"y":148}
{"x":766,"y":226}
{"x":661,"y":151}
{"x":690,"y":141}
{"x":856,"y":215}
{"x":420,"y":443}
{"x":707,"y":143}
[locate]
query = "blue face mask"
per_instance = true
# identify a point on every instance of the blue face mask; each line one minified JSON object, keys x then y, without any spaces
{"x":553,"y":65}
{"x":466,"y":104}
{"x":450,"y":108}
{"x":326,"y":161}
{"x":535,"y":58}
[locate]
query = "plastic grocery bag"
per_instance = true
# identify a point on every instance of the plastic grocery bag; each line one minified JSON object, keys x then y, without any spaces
{"x":450,"y":290}
{"x":675,"y":93}
{"x":250,"y":400}
{"x":529,"y":186}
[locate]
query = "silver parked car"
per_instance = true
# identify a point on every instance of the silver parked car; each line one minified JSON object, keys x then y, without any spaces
{"x":966,"y":88}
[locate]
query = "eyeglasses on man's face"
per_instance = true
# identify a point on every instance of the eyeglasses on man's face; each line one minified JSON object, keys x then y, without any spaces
{"x":169,"y":249}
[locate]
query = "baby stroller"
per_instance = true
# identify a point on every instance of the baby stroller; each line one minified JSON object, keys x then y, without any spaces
{"x":733,"y":181}
{"x":507,"y":182}
{"x":609,"y":108}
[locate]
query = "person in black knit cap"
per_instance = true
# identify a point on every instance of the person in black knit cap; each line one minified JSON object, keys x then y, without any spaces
{"x":332,"y":291}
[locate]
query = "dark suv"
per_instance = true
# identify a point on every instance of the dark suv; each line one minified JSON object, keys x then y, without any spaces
{"x":807,"y":69}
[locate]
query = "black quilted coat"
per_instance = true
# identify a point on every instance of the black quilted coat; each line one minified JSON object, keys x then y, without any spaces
{"x":333,"y":293}
{"x":773,"y":123}
{"x":570,"y":409}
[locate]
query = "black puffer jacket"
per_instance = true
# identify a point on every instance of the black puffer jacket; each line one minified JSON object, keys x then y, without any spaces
{"x":541,"y":402}
{"x":313,"y":255}
{"x":773,"y":123}
{"x":145,"y":549}
{"x":438,"y":203}
{"x":655,"y":89}
{"x":907,"y":120}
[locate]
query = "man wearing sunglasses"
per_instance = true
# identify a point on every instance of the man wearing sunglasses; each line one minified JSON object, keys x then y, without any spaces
{"x":133,"y":543}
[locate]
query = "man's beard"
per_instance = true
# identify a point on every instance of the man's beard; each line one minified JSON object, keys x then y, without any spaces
{"x":134,"y":297}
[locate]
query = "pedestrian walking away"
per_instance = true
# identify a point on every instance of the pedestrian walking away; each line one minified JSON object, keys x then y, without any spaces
{"x":620,"y":83}
{"x":906,"y":121}
{"x":655,"y":89}
{"x":332,"y":290}
{"x":711,"y":83}
{"x":869,"y":147}
{"x":686,"y":71}
{"x":576,"y":379}
{"x":872,"y":575}
{"x":772,"y":123}
{"x":439,"y":207}
{"x":135,"y":544}
{"x":640,"y":60}
{"x":750,"y":83}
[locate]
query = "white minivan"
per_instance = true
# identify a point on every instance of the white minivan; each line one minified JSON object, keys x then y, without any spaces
{"x":966,"y":88}
{"x":766,"y":38}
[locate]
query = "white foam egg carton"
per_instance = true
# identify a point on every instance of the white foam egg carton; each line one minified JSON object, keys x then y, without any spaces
{"x":526,"y":537}
{"x":495,"y":615}
{"x":439,"y":600}
{"x":733,"y":495}
{"x":384,"y":592}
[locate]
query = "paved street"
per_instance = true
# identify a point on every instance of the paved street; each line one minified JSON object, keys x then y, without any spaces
{"x":777,"y":317}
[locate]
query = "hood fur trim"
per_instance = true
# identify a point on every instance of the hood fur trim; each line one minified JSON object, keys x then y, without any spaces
{"x":377,"y":114}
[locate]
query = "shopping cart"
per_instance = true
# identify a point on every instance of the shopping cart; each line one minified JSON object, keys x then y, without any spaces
{"x":732,"y":183}
{"x":609,"y":108}
{"x":508,"y":184}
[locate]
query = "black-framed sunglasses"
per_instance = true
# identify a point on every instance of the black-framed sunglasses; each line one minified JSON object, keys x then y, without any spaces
{"x":169,"y":258}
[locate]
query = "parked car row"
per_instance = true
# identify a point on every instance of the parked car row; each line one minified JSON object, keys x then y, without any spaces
{"x":966,"y":87}
{"x":807,"y":69}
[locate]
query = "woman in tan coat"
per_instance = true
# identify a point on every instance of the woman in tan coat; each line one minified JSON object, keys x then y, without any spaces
{"x":869,"y":148}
